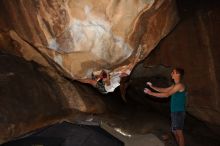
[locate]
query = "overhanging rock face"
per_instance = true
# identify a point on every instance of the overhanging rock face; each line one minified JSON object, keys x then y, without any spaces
{"x":74,"y":38}
{"x":78,"y":37}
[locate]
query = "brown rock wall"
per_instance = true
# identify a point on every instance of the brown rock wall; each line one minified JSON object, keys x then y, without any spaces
{"x":194,"y":46}
{"x":30,"y":99}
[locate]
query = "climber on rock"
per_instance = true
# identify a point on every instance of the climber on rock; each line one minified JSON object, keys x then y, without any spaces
{"x":106,"y":81}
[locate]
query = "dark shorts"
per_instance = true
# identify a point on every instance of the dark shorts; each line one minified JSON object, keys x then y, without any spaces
{"x":101,"y":87}
{"x":177,"y":120}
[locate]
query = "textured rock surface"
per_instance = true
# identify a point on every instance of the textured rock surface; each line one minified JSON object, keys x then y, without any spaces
{"x":31,"y":99}
{"x":194,"y":45}
{"x":78,"y":37}
{"x":73,"y":38}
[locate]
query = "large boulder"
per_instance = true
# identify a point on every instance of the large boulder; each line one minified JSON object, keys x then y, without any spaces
{"x":69,"y":39}
{"x":78,"y":37}
{"x":31,"y":99}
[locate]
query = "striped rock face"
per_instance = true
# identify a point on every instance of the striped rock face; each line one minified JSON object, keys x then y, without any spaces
{"x":78,"y":37}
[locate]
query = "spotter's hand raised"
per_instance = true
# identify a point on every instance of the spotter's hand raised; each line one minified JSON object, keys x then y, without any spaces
{"x":147,"y":91}
{"x":149,"y":84}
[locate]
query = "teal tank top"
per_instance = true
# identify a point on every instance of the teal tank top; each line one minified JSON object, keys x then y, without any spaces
{"x":178,"y":101}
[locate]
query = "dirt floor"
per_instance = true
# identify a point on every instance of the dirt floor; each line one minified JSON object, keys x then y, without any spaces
{"x":134,"y":119}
